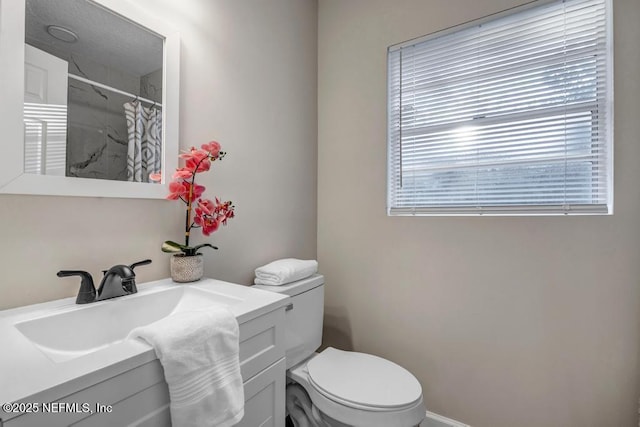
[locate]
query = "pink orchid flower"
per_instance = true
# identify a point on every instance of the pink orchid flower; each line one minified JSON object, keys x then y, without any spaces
{"x":197,"y":191}
{"x":196,"y":165}
{"x":213,"y":147}
{"x":177,"y":190}
{"x":207,"y":207}
{"x":193,"y":152}
{"x":182,"y":173}
{"x":210,"y":225}
{"x":196,"y":159}
{"x":156,"y":177}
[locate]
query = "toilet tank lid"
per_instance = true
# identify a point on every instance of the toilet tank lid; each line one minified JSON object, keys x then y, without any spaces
{"x":295,"y":288}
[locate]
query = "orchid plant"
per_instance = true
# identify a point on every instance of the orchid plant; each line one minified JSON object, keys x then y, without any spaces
{"x":201,"y":213}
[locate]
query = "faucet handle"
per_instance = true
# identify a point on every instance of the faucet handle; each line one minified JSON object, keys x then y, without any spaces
{"x":87,"y":292}
{"x":139,"y":263}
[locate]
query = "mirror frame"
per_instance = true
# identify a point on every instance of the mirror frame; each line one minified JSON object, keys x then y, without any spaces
{"x":13,"y":180}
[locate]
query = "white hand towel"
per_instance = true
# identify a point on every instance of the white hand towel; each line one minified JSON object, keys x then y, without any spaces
{"x":285,"y":271}
{"x":199,"y":351}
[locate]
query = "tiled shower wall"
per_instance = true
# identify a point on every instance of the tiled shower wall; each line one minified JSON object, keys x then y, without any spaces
{"x":96,"y":125}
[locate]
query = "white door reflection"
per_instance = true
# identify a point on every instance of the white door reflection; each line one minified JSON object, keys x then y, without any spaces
{"x":45,"y":113}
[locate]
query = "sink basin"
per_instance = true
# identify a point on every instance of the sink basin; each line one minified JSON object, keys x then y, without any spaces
{"x":59,"y":348}
{"x":81,"y":330}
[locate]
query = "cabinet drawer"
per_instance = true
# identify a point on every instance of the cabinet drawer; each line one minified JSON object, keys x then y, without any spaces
{"x":261,"y":342}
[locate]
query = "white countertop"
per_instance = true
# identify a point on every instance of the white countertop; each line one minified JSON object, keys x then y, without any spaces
{"x":27,"y":375}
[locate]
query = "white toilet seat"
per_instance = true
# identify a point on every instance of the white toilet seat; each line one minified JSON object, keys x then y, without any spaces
{"x":363,"y":381}
{"x":360,"y":389}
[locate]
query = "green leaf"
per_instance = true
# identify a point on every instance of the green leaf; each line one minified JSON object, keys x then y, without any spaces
{"x":195,"y":248}
{"x":173,"y":247}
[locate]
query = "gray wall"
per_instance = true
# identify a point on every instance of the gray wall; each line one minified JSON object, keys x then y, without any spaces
{"x":506,"y":321}
{"x":248,"y":79}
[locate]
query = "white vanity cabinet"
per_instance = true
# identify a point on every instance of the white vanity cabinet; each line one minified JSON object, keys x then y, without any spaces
{"x":139,"y":396}
{"x":263,"y":367}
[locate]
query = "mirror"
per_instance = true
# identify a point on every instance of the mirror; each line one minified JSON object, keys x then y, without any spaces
{"x":92,"y":108}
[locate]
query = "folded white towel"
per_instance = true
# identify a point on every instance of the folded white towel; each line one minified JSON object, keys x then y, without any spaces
{"x":285,"y":271}
{"x":199,"y":351}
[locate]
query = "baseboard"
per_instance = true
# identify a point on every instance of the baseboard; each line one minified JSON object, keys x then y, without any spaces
{"x":435,"y":420}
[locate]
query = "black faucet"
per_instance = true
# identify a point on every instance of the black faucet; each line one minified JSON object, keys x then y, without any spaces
{"x":119,"y":280}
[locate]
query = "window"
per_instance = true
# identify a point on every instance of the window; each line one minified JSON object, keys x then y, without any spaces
{"x":507,"y":115}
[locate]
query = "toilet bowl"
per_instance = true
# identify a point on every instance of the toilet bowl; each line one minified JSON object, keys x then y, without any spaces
{"x":345,"y":388}
{"x":359,"y":389}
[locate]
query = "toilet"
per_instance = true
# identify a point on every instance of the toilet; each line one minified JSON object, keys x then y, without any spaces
{"x":341,"y":388}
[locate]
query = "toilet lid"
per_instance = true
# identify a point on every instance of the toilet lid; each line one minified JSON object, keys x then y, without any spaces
{"x":363,"y":380}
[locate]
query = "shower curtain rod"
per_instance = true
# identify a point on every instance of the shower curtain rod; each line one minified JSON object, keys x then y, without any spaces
{"x":112,"y":89}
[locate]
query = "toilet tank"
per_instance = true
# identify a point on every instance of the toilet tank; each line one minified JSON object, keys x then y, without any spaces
{"x":304,"y":316}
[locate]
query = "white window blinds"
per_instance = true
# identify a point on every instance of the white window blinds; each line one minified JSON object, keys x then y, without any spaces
{"x":511,"y":115}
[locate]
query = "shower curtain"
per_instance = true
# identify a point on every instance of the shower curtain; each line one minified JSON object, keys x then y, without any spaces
{"x":144,"y":128}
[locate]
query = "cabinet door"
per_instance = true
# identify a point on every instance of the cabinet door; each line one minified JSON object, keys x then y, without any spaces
{"x":264,"y":397}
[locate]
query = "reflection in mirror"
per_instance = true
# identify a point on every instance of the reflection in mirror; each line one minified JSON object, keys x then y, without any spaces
{"x":92,"y":93}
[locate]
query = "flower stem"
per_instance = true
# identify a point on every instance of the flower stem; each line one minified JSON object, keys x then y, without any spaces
{"x":188,"y":224}
{"x":187,"y":228}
